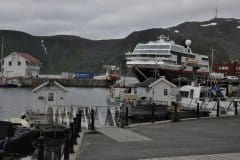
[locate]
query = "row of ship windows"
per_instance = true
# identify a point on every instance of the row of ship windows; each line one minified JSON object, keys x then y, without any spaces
{"x":226,"y":68}
{"x":143,"y":46}
{"x":147,"y":55}
{"x":151,"y":51}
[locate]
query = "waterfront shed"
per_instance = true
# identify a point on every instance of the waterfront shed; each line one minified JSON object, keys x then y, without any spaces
{"x":158,"y":91}
{"x":20,"y":65}
{"x":46,"y":95}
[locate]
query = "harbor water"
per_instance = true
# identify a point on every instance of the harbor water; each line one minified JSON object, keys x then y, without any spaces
{"x":15,"y":101}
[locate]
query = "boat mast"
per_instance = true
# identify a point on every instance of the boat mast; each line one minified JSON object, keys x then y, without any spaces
{"x":1,"y":59}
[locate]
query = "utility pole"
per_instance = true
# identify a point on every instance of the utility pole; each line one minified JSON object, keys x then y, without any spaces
{"x":1,"y":56}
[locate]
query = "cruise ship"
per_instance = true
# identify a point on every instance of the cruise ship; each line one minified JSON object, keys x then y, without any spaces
{"x":165,"y":58}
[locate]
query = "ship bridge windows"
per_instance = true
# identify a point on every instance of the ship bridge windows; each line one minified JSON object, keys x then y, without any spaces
{"x":140,"y":46}
{"x":155,"y":47}
{"x":151,"y":51}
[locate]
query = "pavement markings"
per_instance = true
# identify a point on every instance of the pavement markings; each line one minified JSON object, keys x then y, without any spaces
{"x":122,"y":135}
{"x":222,"y":156}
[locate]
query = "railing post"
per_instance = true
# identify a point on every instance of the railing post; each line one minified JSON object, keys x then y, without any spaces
{"x":40,"y":148}
{"x":71,"y":138}
{"x":198,"y":110}
{"x":153,"y":110}
{"x":66,"y":145}
{"x":76,"y":126}
{"x":235,"y":107}
{"x":1,"y":154}
{"x":72,"y":124}
{"x":218,"y":105}
{"x":126,"y":116}
{"x":92,"y":127}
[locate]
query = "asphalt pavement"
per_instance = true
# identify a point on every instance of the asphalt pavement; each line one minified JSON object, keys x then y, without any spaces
{"x":211,"y":136}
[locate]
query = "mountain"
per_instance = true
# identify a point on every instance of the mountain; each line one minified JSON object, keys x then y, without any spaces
{"x":71,"y":53}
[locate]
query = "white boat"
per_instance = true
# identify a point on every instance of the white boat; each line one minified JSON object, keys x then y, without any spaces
{"x":207,"y":97}
{"x":165,"y":58}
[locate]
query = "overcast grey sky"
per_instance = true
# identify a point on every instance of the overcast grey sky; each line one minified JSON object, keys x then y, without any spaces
{"x":104,"y":19}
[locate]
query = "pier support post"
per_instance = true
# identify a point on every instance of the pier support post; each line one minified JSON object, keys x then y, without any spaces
{"x":218,"y":111}
{"x":235,"y":108}
{"x":66,"y":145}
{"x":92,"y":127}
{"x":41,"y":148}
{"x":153,"y":114}
{"x":1,"y":154}
{"x":198,"y":110}
{"x":126,"y":116}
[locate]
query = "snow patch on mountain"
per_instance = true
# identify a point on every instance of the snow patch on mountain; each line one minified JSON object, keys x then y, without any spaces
{"x":210,"y":24}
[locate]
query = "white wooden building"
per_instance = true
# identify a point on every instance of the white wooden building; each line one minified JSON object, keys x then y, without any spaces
{"x":46,"y":95}
{"x":158,"y":91}
{"x":20,"y":65}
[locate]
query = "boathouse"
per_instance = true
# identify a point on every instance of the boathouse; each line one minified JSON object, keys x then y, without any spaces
{"x":159,"y":91}
{"x":20,"y":65}
{"x":46,"y":95}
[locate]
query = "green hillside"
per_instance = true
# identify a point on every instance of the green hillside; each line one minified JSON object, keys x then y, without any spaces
{"x":72,"y":53}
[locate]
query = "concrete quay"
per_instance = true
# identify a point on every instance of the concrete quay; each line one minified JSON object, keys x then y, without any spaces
{"x":205,"y":138}
{"x":67,"y":82}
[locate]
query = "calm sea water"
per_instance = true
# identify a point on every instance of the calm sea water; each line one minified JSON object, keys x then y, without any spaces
{"x":15,"y":101}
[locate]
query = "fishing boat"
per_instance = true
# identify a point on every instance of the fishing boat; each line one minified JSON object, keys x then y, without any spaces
{"x":9,"y":83}
{"x":166,"y":58}
{"x":207,"y":97}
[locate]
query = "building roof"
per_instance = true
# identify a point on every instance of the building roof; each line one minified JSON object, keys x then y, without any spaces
{"x":147,"y":82}
{"x":153,"y":81}
{"x":48,"y":84}
{"x":28,"y":57}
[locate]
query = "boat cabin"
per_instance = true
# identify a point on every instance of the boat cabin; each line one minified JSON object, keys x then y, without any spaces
{"x":46,"y":95}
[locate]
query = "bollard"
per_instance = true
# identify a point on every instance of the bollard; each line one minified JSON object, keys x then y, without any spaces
{"x":66,"y":145}
{"x":175,"y":117}
{"x":198,"y":110}
{"x":1,"y":154}
{"x":73,"y":133}
{"x":92,"y":127}
{"x":41,"y":148}
{"x":153,"y":110}
{"x":126,"y":117}
{"x":218,"y":105}
{"x":235,"y":107}
{"x":80,"y":121}
{"x":71,"y":140}
{"x":76,"y":126}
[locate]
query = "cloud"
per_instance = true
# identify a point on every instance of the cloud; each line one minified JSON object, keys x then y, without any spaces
{"x":103,"y":19}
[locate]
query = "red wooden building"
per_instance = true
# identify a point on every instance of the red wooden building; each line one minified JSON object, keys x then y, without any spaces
{"x":231,"y":68}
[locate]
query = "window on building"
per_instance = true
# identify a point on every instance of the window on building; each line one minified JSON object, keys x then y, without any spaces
{"x":50,"y":97}
{"x":165,"y":92}
{"x":9,"y":63}
{"x":19,"y":63}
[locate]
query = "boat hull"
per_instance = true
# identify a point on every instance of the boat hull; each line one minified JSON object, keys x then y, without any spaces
{"x":143,"y":73}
